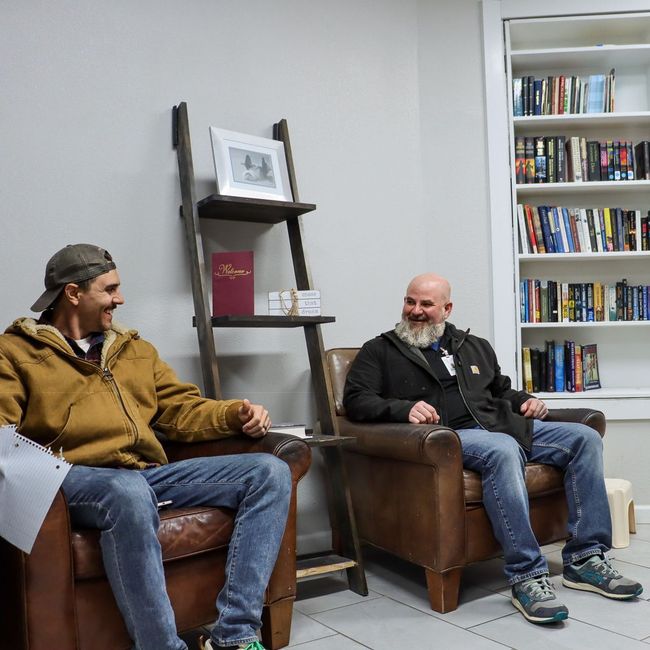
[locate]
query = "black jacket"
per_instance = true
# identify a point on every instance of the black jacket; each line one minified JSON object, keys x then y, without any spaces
{"x":388,"y":377}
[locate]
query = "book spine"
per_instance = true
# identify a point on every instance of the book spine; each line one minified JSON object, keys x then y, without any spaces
{"x":520,"y":160}
{"x":540,"y":160}
{"x":529,"y":148}
{"x":593,"y":161}
{"x":560,"y":159}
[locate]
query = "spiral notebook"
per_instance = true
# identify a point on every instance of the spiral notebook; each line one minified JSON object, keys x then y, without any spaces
{"x":30,"y":476}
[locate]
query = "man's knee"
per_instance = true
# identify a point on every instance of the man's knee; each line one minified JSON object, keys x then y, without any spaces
{"x":275,"y":473}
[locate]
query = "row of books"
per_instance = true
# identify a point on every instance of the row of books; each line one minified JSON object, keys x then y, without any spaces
{"x":563,"y":94}
{"x":558,"y":229}
{"x":560,"y":367}
{"x":549,"y":301}
{"x":574,"y":159}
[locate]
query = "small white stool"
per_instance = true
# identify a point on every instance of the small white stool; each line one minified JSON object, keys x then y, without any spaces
{"x":621,"y":508}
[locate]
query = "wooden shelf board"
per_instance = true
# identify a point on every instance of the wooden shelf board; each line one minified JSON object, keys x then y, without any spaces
{"x":268,"y":321}
{"x":320,"y":564}
{"x":237,"y":208}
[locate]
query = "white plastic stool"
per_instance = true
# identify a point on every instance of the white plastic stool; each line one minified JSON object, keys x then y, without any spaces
{"x":621,"y":508}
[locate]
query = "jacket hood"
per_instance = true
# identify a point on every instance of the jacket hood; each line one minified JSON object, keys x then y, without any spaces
{"x":45,"y":333}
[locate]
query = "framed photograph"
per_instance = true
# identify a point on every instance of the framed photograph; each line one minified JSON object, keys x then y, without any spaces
{"x":250,"y":166}
{"x":590,"y":367}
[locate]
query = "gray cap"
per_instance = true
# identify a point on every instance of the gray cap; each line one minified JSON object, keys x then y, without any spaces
{"x":74,"y":263}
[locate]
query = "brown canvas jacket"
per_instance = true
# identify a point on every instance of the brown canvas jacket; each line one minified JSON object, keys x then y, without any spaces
{"x":102,"y":416}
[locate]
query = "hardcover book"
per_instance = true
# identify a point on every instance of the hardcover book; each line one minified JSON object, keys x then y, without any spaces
{"x":233,"y":290}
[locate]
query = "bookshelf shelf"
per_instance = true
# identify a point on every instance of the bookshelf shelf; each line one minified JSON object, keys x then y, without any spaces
{"x":602,"y":57}
{"x":581,"y":122}
{"x":534,"y":43}
{"x":586,"y":187}
{"x":553,"y":258}
{"x":627,"y":392}
{"x":588,"y":324}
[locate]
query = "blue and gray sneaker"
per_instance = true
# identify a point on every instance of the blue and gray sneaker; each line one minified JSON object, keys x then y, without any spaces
{"x":598,"y":575}
{"x":536,"y":600}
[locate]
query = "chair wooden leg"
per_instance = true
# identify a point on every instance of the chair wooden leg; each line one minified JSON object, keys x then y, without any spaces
{"x":276,"y":624}
{"x":443,"y":589}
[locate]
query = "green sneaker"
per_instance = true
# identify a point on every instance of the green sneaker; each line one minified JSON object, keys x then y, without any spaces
{"x":599,"y":576}
{"x":536,"y":600}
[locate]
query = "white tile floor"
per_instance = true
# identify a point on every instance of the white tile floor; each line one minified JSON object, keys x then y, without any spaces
{"x":396,"y":614}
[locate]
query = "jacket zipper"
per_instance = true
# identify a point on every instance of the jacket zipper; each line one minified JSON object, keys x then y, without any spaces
{"x":107,"y":375}
{"x":458,"y":362}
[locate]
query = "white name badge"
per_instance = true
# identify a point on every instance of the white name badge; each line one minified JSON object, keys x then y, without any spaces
{"x":449,"y":363}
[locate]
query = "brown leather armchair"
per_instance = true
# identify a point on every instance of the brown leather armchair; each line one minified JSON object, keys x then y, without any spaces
{"x":58,"y":597}
{"x":413,"y":498}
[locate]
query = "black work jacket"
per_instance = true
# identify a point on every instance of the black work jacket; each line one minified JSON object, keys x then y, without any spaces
{"x":388,"y":377}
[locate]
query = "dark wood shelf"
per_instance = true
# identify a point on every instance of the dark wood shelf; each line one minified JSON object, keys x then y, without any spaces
{"x":268,"y":321}
{"x":347,"y":552}
{"x":237,"y":208}
{"x":318,"y":564}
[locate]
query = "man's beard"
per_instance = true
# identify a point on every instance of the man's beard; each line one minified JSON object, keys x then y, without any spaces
{"x":419,"y":337}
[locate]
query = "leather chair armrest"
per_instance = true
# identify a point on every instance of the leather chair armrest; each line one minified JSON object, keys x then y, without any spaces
{"x":294,"y":451}
{"x":37,"y":590}
{"x":590,"y":417}
{"x":418,"y":443}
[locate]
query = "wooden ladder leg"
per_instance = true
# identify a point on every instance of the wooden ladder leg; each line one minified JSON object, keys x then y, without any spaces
{"x":276,"y":624}
{"x":443,"y":589}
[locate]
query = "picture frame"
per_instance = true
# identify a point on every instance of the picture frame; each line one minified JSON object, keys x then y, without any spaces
{"x":250,"y":166}
{"x":591,"y":377}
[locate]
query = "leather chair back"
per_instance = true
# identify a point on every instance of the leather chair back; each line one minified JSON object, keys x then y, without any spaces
{"x":339,"y":361}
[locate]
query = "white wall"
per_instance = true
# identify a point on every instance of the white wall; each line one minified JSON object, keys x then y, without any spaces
{"x":384,"y":102}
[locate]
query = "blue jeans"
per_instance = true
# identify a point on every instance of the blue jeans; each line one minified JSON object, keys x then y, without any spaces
{"x":122,"y":504}
{"x":576,"y":449}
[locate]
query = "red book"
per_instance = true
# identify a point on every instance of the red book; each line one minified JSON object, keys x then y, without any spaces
{"x":233,"y":291}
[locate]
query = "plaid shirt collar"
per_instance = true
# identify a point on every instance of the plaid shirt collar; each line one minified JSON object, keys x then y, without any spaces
{"x":94,"y":354}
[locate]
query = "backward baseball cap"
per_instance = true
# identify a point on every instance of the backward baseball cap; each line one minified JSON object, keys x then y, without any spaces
{"x":74,"y":263}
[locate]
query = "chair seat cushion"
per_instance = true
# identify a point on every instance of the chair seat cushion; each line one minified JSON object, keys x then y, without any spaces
{"x":182,"y":532}
{"x":541,"y":480}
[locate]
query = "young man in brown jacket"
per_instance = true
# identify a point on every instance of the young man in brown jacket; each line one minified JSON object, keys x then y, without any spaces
{"x":77,"y":382}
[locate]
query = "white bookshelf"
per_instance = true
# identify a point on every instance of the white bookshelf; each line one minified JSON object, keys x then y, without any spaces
{"x":520,"y":39}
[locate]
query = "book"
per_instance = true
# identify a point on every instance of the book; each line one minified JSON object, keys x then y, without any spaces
{"x":560,"y":159}
{"x":530,"y":228}
{"x":540,"y":160}
{"x":524,"y":237}
{"x":517,"y":98}
{"x":289,"y":427}
{"x":596,"y":94}
{"x":30,"y":476}
{"x":300,"y":311}
{"x":574,"y":172}
{"x":527,"y":370}
{"x":591,"y":376}
{"x":233,"y":291}
{"x":642,"y":160}
{"x":529,"y":150}
{"x":520,"y":160}
{"x":593,"y":160}
{"x":560,"y":384}
{"x":579,"y":372}
{"x":551,"y":159}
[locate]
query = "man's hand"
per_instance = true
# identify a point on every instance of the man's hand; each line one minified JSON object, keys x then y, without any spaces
{"x":423,"y":413}
{"x":534,"y":408}
{"x":254,"y":418}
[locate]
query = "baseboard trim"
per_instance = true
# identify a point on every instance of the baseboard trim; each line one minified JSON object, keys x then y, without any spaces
{"x":642,"y":514}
